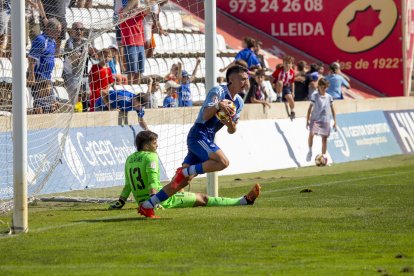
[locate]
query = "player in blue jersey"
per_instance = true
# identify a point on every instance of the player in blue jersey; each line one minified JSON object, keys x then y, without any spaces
{"x":203,"y":154}
{"x":125,"y":101}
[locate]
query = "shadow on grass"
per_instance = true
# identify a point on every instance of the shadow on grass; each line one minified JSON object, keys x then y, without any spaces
{"x":119,"y":219}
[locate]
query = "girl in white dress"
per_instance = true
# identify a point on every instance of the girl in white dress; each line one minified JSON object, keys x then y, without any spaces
{"x":319,"y":115}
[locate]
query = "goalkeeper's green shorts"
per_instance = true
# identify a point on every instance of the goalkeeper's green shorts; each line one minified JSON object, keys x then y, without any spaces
{"x":180,"y":200}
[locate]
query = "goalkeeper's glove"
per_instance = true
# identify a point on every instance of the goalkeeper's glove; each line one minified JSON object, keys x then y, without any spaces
{"x":117,"y":204}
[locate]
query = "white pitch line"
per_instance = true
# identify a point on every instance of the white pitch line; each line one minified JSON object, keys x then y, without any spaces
{"x":336,"y":182}
{"x":43,"y":229}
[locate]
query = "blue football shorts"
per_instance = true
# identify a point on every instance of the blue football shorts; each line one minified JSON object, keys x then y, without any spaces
{"x":199,"y":150}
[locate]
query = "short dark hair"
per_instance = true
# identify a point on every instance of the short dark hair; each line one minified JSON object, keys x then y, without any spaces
{"x":144,"y":137}
{"x":301,"y":65}
{"x":323,"y":82}
{"x":250,"y":42}
{"x":142,"y":98}
{"x":260,"y":73}
{"x":234,"y":70}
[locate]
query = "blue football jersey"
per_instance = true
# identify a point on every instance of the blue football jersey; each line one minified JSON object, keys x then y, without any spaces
{"x":211,"y":126}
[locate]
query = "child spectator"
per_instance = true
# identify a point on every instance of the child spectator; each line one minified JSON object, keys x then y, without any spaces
{"x":284,"y":78}
{"x":184,"y":91}
{"x":336,"y":80}
{"x":257,"y":92}
{"x":247,"y":54}
{"x":170,"y":90}
{"x":301,"y":90}
{"x":260,"y":54}
{"x":319,"y":115}
{"x":175,"y":71}
{"x":311,"y":81}
{"x":153,"y":90}
{"x":78,"y":107}
{"x":113,"y":64}
{"x":221,"y":80}
{"x":100,"y":77}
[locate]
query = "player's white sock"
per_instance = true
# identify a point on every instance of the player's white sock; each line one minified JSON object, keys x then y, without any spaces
{"x":190,"y":171}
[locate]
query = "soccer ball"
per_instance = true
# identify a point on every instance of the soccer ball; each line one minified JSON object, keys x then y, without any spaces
{"x":221,"y":115}
{"x":321,"y":160}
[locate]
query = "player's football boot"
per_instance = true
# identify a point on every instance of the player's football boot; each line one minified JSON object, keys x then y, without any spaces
{"x":309,"y":156}
{"x":148,"y":213}
{"x":117,"y":205}
{"x":253,"y":194}
{"x":292,"y":115}
{"x":178,"y":177}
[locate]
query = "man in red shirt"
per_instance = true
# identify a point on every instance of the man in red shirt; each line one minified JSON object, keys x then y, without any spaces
{"x":100,"y":77}
{"x":284,"y":78}
{"x":132,"y":37}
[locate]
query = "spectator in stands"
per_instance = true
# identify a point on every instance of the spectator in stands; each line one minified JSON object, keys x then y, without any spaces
{"x":73,"y":70}
{"x":55,"y":9}
{"x":312,"y":77}
{"x":170,"y":90}
{"x":78,"y":107}
{"x":257,"y":92}
{"x":32,"y":19}
{"x":184,"y":91}
{"x":336,"y":82}
{"x":153,"y":89}
{"x":41,"y":64}
{"x":301,"y":89}
{"x":260,"y":54}
{"x":132,"y":34}
{"x":284,"y":78}
{"x":100,"y":77}
{"x":151,"y":26}
{"x":113,"y":64}
{"x":221,"y":80}
{"x":81,"y":3}
{"x":4,"y":25}
{"x":125,"y":101}
{"x":175,"y":71}
{"x":319,"y":116}
{"x":247,"y":54}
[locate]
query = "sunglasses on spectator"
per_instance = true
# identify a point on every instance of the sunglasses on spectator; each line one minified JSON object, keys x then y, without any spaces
{"x":79,"y":29}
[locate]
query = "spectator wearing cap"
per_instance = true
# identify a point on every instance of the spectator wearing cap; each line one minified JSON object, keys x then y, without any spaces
{"x":184,"y":91}
{"x":336,"y":82}
{"x":170,"y":90}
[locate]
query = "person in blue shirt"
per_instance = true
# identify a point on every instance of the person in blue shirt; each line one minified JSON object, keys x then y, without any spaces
{"x":41,"y":64}
{"x":171,"y":89}
{"x":203,"y":154}
{"x":337,"y":80}
{"x":247,"y":54}
{"x":125,"y":101}
{"x":184,"y":92}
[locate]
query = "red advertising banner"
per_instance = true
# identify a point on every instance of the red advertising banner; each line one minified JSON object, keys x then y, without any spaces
{"x":364,"y":36}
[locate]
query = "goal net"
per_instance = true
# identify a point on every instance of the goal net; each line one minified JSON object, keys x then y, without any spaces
{"x":79,"y":134}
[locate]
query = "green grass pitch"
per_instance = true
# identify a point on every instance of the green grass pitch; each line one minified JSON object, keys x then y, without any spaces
{"x":347,"y":219}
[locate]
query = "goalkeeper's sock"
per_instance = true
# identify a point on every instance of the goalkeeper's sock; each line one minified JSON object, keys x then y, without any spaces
{"x":225,"y":201}
{"x":155,"y":199}
{"x":193,"y":170}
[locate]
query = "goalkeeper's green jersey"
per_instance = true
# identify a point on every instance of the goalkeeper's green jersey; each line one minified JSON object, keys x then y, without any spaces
{"x":142,"y":174}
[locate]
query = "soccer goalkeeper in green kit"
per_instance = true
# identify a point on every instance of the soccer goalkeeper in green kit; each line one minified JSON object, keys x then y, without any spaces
{"x":142,"y":178}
